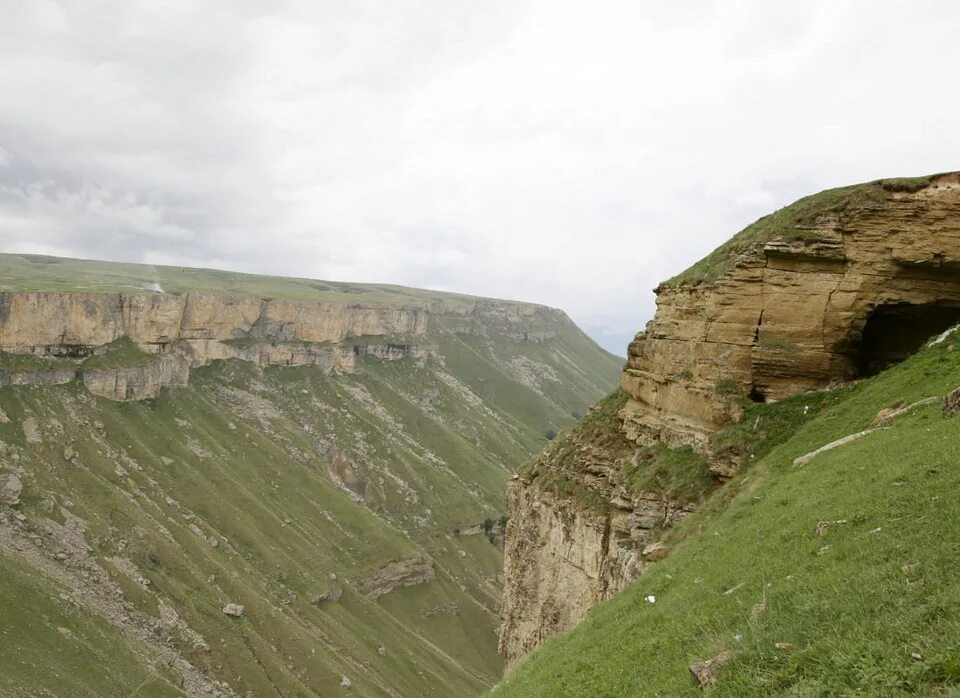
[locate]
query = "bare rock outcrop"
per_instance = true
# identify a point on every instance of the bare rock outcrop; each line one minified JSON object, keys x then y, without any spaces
{"x":827,"y":297}
{"x":396,"y":573}
{"x":577,"y":531}
{"x":37,"y":376}
{"x":836,"y":286}
{"x":195,"y":328}
{"x":10,"y":489}
{"x":140,"y":382}
{"x":951,"y":403}
{"x":234,"y":610}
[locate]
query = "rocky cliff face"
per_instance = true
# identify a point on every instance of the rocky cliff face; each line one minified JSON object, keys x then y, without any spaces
{"x":836,"y":286}
{"x":834,"y":295}
{"x":195,"y":328}
{"x":138,"y":382}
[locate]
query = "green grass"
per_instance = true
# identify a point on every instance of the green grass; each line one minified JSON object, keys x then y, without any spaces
{"x":120,"y":353}
{"x":251,"y":456}
{"x":680,"y":473}
{"x":870,"y":607}
{"x":26,"y":272}
{"x":90,"y":657}
{"x":794,"y":222}
{"x":726,"y":386}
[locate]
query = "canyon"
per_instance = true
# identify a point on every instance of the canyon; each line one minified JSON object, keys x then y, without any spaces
{"x":243,"y":485}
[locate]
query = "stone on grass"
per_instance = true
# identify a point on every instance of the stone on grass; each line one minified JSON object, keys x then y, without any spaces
{"x":706,"y":672}
{"x":332,"y":594}
{"x":345,"y":682}
{"x":234,"y":610}
{"x":951,"y":403}
{"x":10,"y":489}
{"x":655,"y":552}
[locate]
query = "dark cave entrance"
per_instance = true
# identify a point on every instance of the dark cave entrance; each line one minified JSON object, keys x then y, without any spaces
{"x":893,"y":332}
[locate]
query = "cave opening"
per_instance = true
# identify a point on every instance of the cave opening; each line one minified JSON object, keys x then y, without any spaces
{"x":895,"y":331}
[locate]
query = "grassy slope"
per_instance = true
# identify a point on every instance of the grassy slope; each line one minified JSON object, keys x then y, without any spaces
{"x":25,"y":272}
{"x":92,"y":660}
{"x":251,"y":454}
{"x":793,"y":222}
{"x":872,"y":607}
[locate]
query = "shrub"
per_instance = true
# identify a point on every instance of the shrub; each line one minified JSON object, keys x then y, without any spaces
{"x":725,"y":386}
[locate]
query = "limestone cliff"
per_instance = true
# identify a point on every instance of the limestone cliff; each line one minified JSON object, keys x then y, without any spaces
{"x":195,"y":328}
{"x":138,"y":382}
{"x":790,"y":310}
{"x":836,"y":286}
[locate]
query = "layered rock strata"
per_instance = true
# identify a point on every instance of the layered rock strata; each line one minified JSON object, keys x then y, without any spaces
{"x":836,"y":286}
{"x":396,"y":573}
{"x":808,"y":307}
{"x":138,"y":382}
{"x":194,"y":329}
{"x":578,"y":530}
{"x":562,"y":558}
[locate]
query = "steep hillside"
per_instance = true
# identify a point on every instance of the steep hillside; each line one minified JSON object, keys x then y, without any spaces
{"x":832,"y":289}
{"x":833,"y":575}
{"x":326,"y":463}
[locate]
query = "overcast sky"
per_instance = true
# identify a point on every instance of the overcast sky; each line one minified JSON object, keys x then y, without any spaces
{"x":569,"y":153}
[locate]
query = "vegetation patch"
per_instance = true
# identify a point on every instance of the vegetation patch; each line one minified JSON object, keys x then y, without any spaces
{"x":120,"y":353}
{"x":29,"y":362}
{"x":796,"y":221}
{"x":682,"y":474}
{"x":776,"y":344}
{"x":725,"y":386}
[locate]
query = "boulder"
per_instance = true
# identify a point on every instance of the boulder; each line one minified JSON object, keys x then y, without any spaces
{"x":10,"y":489}
{"x":951,"y":403}
{"x":234,"y":610}
{"x":655,"y":552}
{"x":332,"y":594}
{"x":706,"y":672}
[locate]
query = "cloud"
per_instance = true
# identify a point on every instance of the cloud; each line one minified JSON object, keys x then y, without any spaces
{"x":563,"y":152}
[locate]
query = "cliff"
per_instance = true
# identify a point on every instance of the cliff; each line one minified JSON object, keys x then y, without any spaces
{"x":193,"y":328}
{"x":835,"y":287}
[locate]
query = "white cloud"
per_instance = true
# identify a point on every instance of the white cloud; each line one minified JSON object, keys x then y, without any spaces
{"x":564,"y":152}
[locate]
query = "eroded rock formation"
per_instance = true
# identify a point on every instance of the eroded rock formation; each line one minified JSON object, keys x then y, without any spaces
{"x":138,"y":382}
{"x":839,"y":297}
{"x":196,"y":328}
{"x":836,"y":286}
{"x":577,"y":531}
{"x":396,"y":573}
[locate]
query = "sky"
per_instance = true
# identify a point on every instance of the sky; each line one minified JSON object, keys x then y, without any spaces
{"x":567,"y":153}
